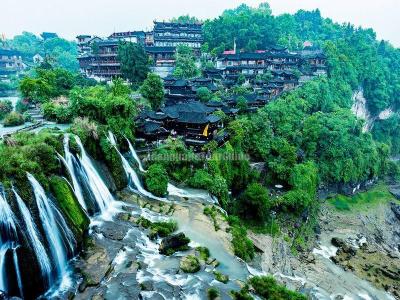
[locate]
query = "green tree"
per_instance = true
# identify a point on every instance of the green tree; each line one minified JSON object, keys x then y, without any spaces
{"x":156,"y":180}
{"x":185,"y":63}
{"x":241,"y":104}
{"x":203,"y":94}
{"x":153,"y":90}
{"x":134,"y":62}
{"x":254,"y":203}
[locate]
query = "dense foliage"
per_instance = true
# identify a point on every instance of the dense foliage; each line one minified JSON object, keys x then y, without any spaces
{"x":185,"y":63}
{"x":5,"y":108}
{"x":355,"y":58}
{"x":59,"y":52}
{"x":134,"y":62}
{"x":153,"y":90}
{"x":156,"y":180}
{"x":13,"y":119}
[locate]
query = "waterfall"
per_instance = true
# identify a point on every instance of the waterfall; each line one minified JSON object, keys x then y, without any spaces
{"x":93,"y":180}
{"x":58,"y":235}
{"x":130,"y":172}
{"x":70,"y":163}
{"x":8,"y":229}
{"x":17,"y":272}
{"x":135,"y":156}
{"x":33,"y":235}
{"x":3,"y":272}
{"x":8,"y":238}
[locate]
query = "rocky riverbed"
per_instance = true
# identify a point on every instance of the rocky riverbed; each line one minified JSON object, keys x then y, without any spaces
{"x":122,"y":261}
{"x":356,"y":255}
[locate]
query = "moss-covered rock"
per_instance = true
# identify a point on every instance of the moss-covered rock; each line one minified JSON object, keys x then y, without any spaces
{"x":114,"y":164}
{"x":221,"y":277}
{"x":173,"y":243}
{"x":190,"y":264}
{"x":69,"y":206}
{"x":158,"y":229}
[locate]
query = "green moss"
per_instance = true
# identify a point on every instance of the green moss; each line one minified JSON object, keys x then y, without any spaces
{"x":221,"y":277}
{"x":267,"y":288}
{"x":362,"y":201}
{"x":69,"y":205}
{"x":204,"y":253}
{"x":158,"y":229}
{"x":212,"y":293}
{"x":114,"y":163}
{"x":190,"y":264}
{"x":242,"y":246}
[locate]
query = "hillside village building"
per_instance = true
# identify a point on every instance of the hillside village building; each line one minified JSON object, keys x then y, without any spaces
{"x":10,"y":62}
{"x":98,"y":57}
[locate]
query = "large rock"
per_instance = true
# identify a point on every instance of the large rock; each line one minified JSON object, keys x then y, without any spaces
{"x":343,"y":246}
{"x":97,"y":266}
{"x":177,"y":242}
{"x":190,"y":264}
{"x":396,"y":209}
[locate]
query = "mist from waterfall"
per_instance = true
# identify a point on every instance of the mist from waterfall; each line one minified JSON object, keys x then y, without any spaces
{"x":59,"y":237}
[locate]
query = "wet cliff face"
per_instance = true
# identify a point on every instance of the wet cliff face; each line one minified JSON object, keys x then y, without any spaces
{"x":360,"y":110}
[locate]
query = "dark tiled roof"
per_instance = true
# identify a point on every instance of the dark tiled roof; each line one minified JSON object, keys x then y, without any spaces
{"x":157,"y":49}
{"x":214,"y":103}
{"x":9,"y":52}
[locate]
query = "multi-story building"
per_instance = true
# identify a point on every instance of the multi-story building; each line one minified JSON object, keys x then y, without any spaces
{"x":98,"y":57}
{"x":10,"y":62}
{"x":166,"y":34}
{"x":101,"y":61}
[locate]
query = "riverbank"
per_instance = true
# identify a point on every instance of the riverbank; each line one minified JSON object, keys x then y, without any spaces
{"x":372,"y":222}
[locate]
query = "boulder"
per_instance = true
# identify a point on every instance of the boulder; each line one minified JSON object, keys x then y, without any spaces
{"x":190,"y":264}
{"x":343,"y":246}
{"x":176,"y":242}
{"x":396,"y":208}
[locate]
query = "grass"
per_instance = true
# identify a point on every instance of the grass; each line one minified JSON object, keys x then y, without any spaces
{"x":361,"y":201}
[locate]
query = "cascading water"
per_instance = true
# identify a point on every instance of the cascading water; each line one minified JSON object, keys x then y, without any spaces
{"x":16,"y":265}
{"x":88,"y":172}
{"x":33,"y":235}
{"x":3,"y":272}
{"x":8,"y":228}
{"x":70,"y":163}
{"x":135,"y":156}
{"x":59,"y":236}
{"x":130,"y":172}
{"x":172,"y":190}
{"x":8,"y":240}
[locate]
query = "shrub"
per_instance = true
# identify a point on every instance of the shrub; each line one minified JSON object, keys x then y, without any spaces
{"x":201,"y":180}
{"x":156,"y":180}
{"x":212,"y":293}
{"x":21,"y":106}
{"x":268,"y":288}
{"x":204,"y":94}
{"x":5,"y":108}
{"x":13,"y":119}
{"x":254,"y":203}
{"x":219,"y":188}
